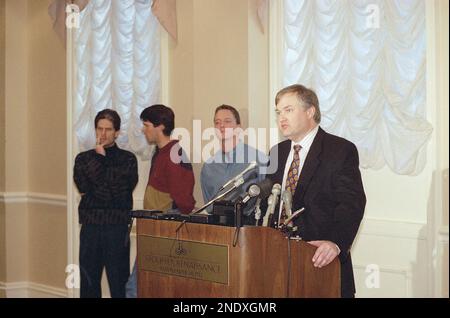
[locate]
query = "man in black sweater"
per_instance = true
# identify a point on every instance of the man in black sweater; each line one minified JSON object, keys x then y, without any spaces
{"x":105,"y":177}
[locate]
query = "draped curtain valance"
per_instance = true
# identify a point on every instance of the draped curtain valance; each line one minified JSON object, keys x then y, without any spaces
{"x":367,"y":62}
{"x":163,"y":10}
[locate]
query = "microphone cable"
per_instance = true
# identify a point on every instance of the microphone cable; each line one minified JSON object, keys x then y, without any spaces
{"x":288,"y":283}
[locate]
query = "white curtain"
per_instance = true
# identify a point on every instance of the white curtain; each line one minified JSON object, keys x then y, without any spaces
{"x":117,"y":56}
{"x":366,"y":62}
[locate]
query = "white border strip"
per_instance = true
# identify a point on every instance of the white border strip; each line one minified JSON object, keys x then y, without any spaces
{"x":276,"y":55}
{"x":33,"y":197}
{"x":164,"y":48}
{"x":46,"y":198}
{"x":32,"y":290}
{"x":71,"y":140}
{"x":13,"y":197}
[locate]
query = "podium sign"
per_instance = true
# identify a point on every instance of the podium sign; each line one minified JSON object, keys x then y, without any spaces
{"x":190,"y":259}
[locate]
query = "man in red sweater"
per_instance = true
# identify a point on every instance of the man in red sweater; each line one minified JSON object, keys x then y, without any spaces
{"x":171,"y":181}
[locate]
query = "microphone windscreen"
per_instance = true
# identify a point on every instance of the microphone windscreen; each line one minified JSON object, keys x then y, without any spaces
{"x":254,"y":190}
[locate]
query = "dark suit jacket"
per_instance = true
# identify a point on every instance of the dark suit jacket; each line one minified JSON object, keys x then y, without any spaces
{"x":331,"y":191}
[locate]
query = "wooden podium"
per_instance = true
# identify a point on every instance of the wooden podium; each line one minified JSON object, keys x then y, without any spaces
{"x":187,"y":260}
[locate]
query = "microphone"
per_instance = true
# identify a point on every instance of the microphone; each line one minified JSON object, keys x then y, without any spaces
{"x":287,"y":201}
{"x":260,"y":189}
{"x":265,"y":189}
{"x":251,"y":166}
{"x":253,"y":191}
{"x":272,"y":202}
{"x":276,"y":190}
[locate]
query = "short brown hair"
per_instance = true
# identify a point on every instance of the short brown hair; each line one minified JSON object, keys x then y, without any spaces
{"x":231,"y":109}
{"x":159,"y":114}
{"x":110,"y":115}
{"x":305,"y":95}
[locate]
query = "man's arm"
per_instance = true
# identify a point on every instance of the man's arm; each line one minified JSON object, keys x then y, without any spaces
{"x":79,"y":175}
{"x":133,"y":173}
{"x":326,"y":252}
{"x":181,"y":186}
{"x":93,"y":176}
{"x":349,"y":191}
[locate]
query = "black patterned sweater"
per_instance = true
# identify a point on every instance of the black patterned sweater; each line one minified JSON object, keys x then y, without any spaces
{"x":106,"y":185}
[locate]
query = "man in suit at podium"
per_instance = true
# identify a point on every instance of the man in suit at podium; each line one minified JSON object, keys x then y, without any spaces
{"x":322,"y":173}
{"x":171,"y":180}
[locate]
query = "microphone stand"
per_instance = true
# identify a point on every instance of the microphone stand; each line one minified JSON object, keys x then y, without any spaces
{"x":236,"y":184}
{"x":238,"y":212}
{"x":237,"y":219}
{"x":251,"y":166}
{"x":288,"y":229}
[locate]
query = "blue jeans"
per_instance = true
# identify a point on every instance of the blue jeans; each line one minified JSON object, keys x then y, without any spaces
{"x":131,"y":286}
